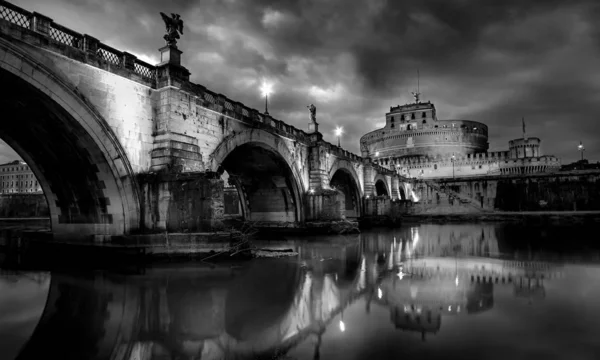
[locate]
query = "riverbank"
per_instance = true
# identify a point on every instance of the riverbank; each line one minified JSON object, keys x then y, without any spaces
{"x":506,"y":216}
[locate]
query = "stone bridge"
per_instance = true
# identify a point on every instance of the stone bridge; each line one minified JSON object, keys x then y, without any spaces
{"x":121,"y":146}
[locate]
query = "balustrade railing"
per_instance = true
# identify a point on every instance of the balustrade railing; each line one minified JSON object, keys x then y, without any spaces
{"x":15,"y":14}
{"x":63,"y":35}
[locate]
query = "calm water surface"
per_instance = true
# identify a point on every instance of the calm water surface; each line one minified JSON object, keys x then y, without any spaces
{"x":455,"y":291}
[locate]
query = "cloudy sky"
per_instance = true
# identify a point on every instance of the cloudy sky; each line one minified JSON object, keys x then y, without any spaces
{"x":484,"y":60}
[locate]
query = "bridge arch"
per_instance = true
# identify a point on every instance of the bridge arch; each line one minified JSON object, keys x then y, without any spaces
{"x":81,"y":166}
{"x":343,"y":177}
{"x":265,"y":173}
{"x":381,"y":186}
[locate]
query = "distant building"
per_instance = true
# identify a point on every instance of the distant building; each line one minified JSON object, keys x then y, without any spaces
{"x":17,"y":178}
{"x":418,"y":145}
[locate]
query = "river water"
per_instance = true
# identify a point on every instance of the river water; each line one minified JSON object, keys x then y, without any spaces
{"x":429,"y":291}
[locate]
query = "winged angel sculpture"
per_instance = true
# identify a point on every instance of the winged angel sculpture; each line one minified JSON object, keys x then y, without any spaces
{"x":174,"y":27}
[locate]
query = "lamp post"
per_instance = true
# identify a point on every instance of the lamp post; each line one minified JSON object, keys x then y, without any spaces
{"x":453,"y":158}
{"x":266,"y":89}
{"x":581,"y":148}
{"x":338,"y":132}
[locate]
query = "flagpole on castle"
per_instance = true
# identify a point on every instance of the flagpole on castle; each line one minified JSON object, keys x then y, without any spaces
{"x":524,"y":133}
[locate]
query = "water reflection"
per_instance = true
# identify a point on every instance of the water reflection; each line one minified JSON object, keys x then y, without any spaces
{"x":338,"y":292}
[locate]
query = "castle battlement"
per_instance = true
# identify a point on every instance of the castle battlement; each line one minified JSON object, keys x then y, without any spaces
{"x":415,"y":143}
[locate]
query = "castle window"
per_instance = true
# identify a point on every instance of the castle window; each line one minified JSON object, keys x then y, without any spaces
{"x":424,"y":114}
{"x":412,"y":116}
{"x":392,"y":119}
{"x":480,"y":166}
{"x":392,"y":126}
{"x":424,"y":121}
{"x":435,"y":166}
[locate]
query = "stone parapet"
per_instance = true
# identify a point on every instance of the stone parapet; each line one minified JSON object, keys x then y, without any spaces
{"x":40,"y":31}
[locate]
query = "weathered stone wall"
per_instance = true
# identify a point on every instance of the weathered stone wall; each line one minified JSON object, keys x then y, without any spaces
{"x":181,"y":202}
{"x":558,"y":193}
{"x":377,"y":206}
{"x":325,"y":205}
{"x":127,"y":106}
{"x":572,"y":191}
{"x":23,"y":205}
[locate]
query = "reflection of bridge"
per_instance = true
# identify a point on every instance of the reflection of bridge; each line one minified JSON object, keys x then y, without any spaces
{"x":263,"y":309}
{"x":131,"y":142}
{"x":268,"y":307}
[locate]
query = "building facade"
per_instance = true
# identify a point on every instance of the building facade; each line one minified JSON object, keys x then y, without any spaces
{"x":417,"y":144}
{"x":17,"y":178}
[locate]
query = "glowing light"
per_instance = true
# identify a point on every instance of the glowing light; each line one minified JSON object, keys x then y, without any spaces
{"x":456,"y":280}
{"x":342,"y":326}
{"x":377,"y":153}
{"x":339,"y":131}
{"x":312,"y":191}
{"x":401,"y":274}
{"x":580,"y":146}
{"x":266,"y":89}
{"x":379,"y":293}
{"x":450,"y":308}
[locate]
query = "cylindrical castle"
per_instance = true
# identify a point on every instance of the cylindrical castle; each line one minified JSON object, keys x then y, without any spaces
{"x":414,"y":131}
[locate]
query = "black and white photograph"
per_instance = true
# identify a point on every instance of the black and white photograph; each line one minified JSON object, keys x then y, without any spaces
{"x":299,"y":179}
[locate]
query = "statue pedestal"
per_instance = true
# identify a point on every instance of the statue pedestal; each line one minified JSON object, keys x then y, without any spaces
{"x":313,"y":127}
{"x":169,"y":70}
{"x":170,"y":55}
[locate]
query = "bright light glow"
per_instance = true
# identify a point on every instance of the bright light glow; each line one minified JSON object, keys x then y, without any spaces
{"x":580,"y":146}
{"x":456,"y":280}
{"x":339,"y":131}
{"x":377,"y":153}
{"x":414,"y":196}
{"x":379,"y":293}
{"x":401,"y":274}
{"x":450,"y":308}
{"x":266,"y":89}
{"x":342,"y":326}
{"x":312,"y":191}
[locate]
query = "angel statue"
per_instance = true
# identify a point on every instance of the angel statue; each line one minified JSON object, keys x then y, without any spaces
{"x":174,"y":27}
{"x":416,"y":95}
{"x":313,"y":112}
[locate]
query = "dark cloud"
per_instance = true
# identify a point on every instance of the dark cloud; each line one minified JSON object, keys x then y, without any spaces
{"x":485,"y":60}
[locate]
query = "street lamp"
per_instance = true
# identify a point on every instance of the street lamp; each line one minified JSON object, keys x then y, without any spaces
{"x":453,"y":158}
{"x":338,"y":132}
{"x":581,"y":148}
{"x":266,"y":89}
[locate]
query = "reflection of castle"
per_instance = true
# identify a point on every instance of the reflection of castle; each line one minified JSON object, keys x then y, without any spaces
{"x":416,"y":144}
{"x":417,"y":304}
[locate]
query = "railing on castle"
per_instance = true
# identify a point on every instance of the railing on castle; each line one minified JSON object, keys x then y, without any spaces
{"x":116,"y":59}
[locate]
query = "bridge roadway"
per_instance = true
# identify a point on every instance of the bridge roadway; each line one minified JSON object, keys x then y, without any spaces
{"x":121,"y":146}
